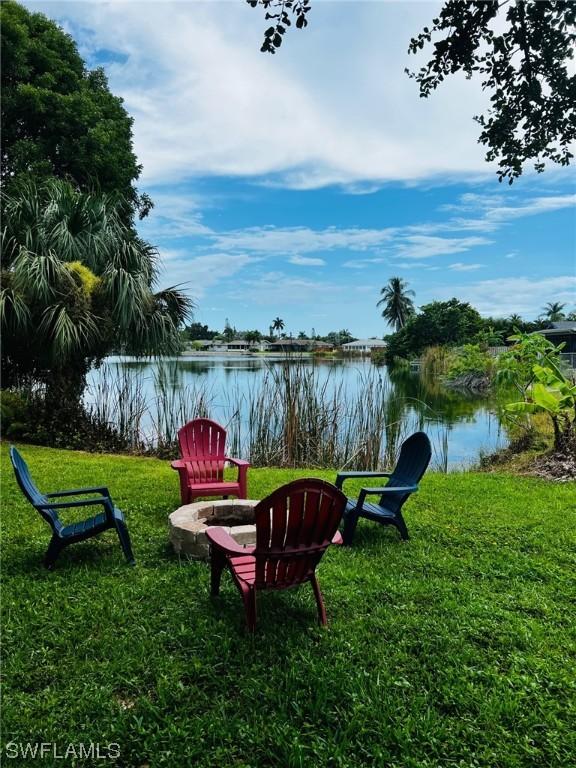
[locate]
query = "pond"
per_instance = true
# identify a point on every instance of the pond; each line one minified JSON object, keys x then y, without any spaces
{"x":330,"y":400}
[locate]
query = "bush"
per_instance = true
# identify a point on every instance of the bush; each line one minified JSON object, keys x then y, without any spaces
{"x":469,"y":359}
{"x":29,"y":416}
{"x":441,"y":323}
{"x":436,"y":361}
{"x":13,"y":413}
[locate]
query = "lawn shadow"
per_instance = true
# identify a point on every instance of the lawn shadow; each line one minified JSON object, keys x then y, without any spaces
{"x":89,"y":554}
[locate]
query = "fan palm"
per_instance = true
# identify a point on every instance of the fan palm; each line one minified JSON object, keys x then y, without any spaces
{"x":77,"y":282}
{"x":278,"y":324}
{"x":398,"y":306}
{"x":553,"y":311}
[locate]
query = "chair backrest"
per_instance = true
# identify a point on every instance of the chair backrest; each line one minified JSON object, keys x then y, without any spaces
{"x":294,"y":526}
{"x":30,"y":490}
{"x":202,"y":443}
{"x":415,"y":455}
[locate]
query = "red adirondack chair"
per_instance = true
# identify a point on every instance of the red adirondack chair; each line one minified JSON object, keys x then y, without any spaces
{"x":294,"y":527}
{"x":202,"y":459}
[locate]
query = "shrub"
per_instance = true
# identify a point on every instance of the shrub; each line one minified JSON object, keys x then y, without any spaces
{"x":436,"y":361}
{"x":469,"y":359}
{"x":13,"y":412}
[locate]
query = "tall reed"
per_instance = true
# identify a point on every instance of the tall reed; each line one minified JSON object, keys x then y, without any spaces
{"x":291,"y":416}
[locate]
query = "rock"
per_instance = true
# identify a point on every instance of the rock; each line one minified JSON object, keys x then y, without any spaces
{"x":188,"y":524}
{"x":473,"y":382}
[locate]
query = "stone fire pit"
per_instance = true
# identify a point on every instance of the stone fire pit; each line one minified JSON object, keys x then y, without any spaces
{"x":188,"y":524}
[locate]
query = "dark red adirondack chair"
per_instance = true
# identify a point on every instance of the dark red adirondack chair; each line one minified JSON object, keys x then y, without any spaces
{"x":202,"y":460}
{"x":294,"y":527}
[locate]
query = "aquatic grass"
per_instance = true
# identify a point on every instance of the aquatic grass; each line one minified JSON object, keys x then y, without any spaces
{"x":117,"y":400}
{"x":455,"y":648}
{"x":174,"y":404}
{"x":290,"y":417}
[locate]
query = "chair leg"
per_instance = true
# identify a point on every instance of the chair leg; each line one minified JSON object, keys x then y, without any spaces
{"x":54,"y":549}
{"x":217,"y":564}
{"x":350,"y":523}
{"x":401,"y":526}
{"x":242,"y":480}
{"x":124,"y":536}
{"x":319,"y":602}
{"x":249,"y":600}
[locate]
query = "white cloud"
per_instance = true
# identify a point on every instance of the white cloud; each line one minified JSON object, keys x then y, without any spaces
{"x":279,"y":290}
{"x":411,"y":265}
{"x":494,"y":214}
{"x":333,"y":106}
{"x":424,"y":247}
{"x":306,"y":261}
{"x":460,"y":267}
{"x":200,"y":273}
{"x":505,"y":296}
{"x":175,"y":215}
{"x":285,"y":241}
{"x":362,"y":263}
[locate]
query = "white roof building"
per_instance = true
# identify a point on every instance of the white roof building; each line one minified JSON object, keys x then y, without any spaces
{"x":363,"y":345}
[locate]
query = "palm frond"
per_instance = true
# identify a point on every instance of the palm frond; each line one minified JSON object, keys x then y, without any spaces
{"x":15,"y":315}
{"x":175,"y":303}
{"x":40,"y":276}
{"x":69,"y":334}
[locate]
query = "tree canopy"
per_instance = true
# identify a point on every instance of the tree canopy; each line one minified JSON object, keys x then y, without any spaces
{"x":77,"y":283}
{"x":522,"y":51}
{"x":450,"y":322}
{"x":59,"y":118}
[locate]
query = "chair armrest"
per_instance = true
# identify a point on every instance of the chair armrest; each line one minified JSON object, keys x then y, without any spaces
{"x":179,"y":464}
{"x":221,"y":539}
{"x":342,"y":476}
{"x":386,"y":489}
{"x":104,"y":500}
{"x":78,"y":492}
{"x":237,"y":462}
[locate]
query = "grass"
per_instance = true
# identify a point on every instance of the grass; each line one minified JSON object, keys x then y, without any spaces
{"x":454,"y":649}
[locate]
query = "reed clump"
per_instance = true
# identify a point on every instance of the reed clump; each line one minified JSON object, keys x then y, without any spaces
{"x":291,"y":417}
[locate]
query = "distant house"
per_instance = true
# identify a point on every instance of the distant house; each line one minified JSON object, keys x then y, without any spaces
{"x":321,"y":346}
{"x":202,"y":344}
{"x":562,"y":331}
{"x":363,"y":346}
{"x":238,"y":345}
{"x":291,"y":345}
{"x":241,"y":345}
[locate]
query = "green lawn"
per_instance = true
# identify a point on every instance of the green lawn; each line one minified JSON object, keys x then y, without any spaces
{"x":454,"y":649}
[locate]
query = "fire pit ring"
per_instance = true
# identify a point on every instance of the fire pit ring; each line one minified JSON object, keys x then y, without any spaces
{"x":188,"y":525}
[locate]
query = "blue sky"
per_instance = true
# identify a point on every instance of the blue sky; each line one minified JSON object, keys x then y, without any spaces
{"x":297,"y":185}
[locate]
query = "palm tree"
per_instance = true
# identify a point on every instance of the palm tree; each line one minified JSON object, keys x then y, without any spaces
{"x":515,"y":319}
{"x":77,"y":283}
{"x":277,"y":324}
{"x":398,"y":307}
{"x":553,"y":311}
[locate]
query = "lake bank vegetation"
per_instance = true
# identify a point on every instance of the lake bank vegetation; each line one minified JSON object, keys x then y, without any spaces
{"x":292,"y":416}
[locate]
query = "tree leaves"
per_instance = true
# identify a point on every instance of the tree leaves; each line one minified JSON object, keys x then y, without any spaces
{"x":523,"y":52}
{"x":58,"y":118}
{"x":524,"y":64}
{"x":78,"y":275}
{"x":274,"y":35}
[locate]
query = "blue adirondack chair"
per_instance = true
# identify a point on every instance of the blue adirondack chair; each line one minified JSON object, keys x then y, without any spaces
{"x":415,"y":455}
{"x":63,"y":535}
